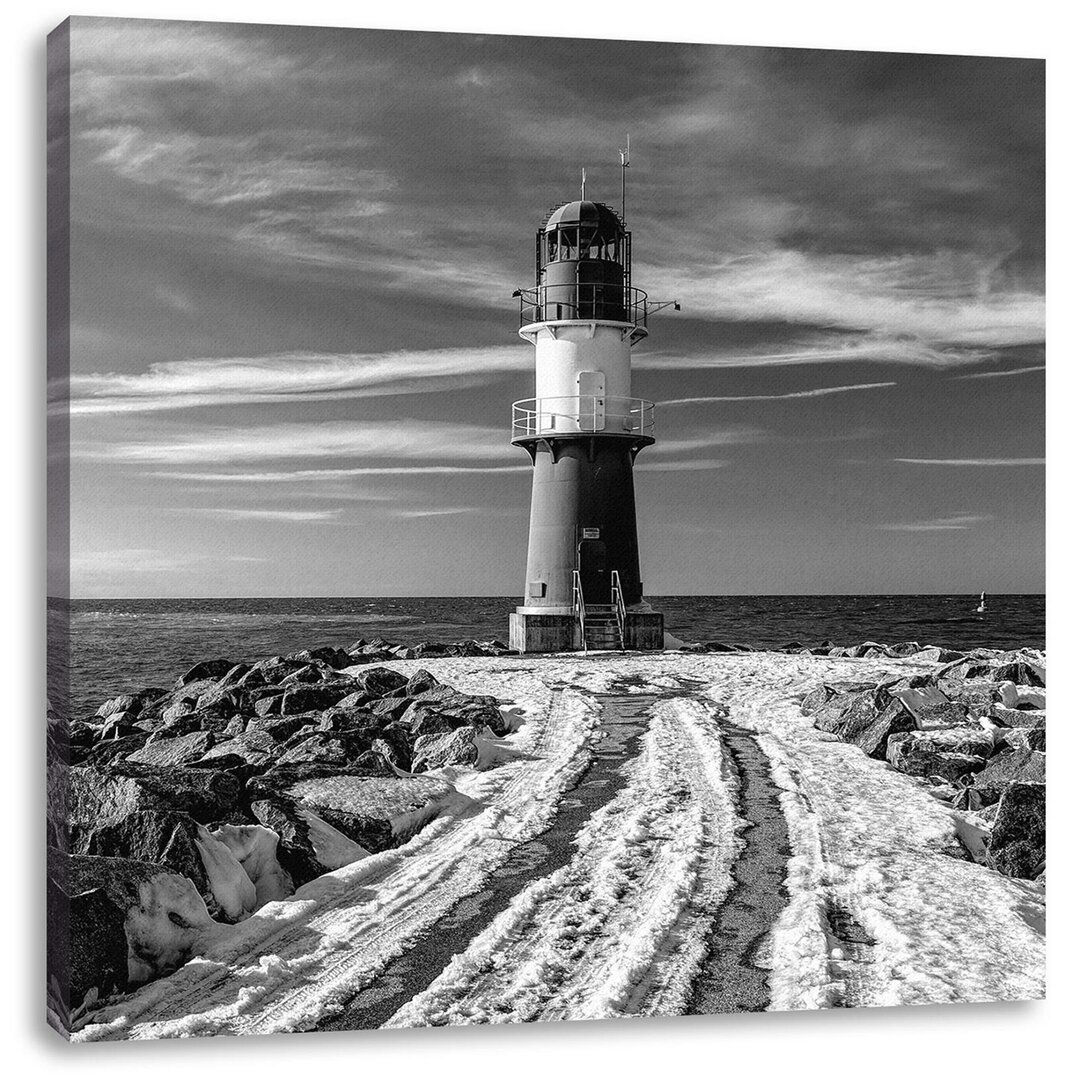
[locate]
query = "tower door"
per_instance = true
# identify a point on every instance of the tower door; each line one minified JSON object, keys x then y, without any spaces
{"x":590,"y":388}
{"x":593,"y":568}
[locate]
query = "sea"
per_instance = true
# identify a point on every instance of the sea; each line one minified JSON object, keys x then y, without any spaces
{"x":118,"y":646}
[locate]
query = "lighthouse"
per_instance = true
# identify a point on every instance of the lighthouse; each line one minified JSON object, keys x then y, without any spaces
{"x":583,"y":431}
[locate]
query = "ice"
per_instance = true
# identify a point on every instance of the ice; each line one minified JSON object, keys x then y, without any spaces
{"x":232,"y":888}
{"x":332,"y":848}
{"x":255,"y":848}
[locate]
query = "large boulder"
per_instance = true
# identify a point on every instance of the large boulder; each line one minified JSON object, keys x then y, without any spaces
{"x":371,"y":810}
{"x":476,"y":710}
{"x":389,"y":708}
{"x":309,"y":673}
{"x":133,"y":703}
{"x":378,"y":681}
{"x":271,"y":671}
{"x":869,"y":649}
{"x":456,"y":747}
{"x":326,"y":654}
{"x":950,"y":754}
{"x":1017,"y":844}
{"x":357,"y":699}
{"x":1025,"y":738}
{"x":870,"y":729}
{"x":421,"y":682}
{"x":970,"y":666}
{"x":87,"y":946}
{"x":342,"y":718}
{"x":849,"y":707}
{"x":318,"y":748}
{"x":205,"y":794}
{"x":178,"y":709}
{"x":930,"y":709}
{"x":1020,"y":671}
{"x":976,"y":696}
{"x":375,"y":762}
{"x":224,"y":702}
{"x":1017,"y":718}
{"x":233,"y":675}
{"x":903,"y":648}
{"x":138,"y":817}
{"x":269,"y":704}
{"x":192,"y":721}
{"x":205,"y":669}
{"x":326,"y":817}
{"x":831,"y":700}
{"x":420,"y":719}
{"x":305,"y":698}
{"x":1010,"y":766}
{"x":280,"y":728}
{"x":256,"y":749}
{"x":109,"y":750}
{"x":171,"y":752}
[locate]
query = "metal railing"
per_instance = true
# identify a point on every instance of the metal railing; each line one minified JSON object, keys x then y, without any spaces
{"x":536,"y":417}
{"x":620,"y":607}
{"x":584,"y":300}
{"x":579,"y":610}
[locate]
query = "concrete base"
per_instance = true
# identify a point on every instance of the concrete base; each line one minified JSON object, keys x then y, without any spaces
{"x":536,"y":633}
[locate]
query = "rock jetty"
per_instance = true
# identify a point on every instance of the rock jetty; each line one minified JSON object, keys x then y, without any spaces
{"x":973,"y":729}
{"x":174,"y":811}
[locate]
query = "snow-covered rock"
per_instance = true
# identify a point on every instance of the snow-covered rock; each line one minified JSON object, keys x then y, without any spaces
{"x":1014,"y":696}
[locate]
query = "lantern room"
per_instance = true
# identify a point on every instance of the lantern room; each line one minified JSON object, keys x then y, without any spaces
{"x":583,"y":265}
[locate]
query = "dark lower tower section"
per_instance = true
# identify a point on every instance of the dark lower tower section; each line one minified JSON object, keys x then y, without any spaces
{"x":582,"y":519}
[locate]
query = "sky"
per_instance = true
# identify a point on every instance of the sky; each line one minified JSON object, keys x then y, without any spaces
{"x":293,"y":342}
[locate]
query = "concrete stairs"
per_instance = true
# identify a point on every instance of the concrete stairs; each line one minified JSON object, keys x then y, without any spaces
{"x":602,"y":632}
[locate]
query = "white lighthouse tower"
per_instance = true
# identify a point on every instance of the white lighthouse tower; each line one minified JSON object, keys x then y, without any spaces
{"x":583,"y":431}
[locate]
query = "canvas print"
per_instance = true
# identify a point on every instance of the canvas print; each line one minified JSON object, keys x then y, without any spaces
{"x":540,"y":529}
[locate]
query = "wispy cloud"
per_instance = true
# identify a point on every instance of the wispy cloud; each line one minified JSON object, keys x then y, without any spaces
{"x":440,"y":511}
{"x":286,"y":378}
{"x":937,"y":299}
{"x":231,"y":514}
{"x":989,"y":462}
{"x":146,"y":561}
{"x":394,"y":439}
{"x":943,"y":524}
{"x":823,"y":391}
{"x":730,"y":435}
{"x":693,"y":465}
{"x":827,"y":348}
{"x":307,"y":475}
{"x":1002,"y":374}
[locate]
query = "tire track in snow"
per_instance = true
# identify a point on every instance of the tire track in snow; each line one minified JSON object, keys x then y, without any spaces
{"x":733,"y":977}
{"x":620,"y":928}
{"x":622,"y":722}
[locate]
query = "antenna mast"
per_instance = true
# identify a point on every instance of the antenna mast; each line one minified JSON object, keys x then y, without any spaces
{"x":582,"y":185}
{"x":624,"y":162}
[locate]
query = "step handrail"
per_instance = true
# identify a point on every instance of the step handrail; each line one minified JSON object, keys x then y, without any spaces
{"x":579,"y":609}
{"x":620,"y":607}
